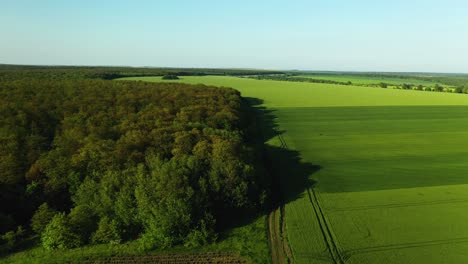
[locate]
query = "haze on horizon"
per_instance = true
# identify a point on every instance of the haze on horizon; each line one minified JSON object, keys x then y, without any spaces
{"x":337,"y":35}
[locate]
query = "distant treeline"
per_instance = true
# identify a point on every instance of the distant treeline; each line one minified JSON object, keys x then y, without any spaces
{"x":97,"y":161}
{"x":15,"y":72}
{"x":291,"y":78}
{"x":451,"y":79}
{"x":459,"y":83}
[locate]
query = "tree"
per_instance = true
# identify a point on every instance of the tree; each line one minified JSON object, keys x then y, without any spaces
{"x":41,"y":218}
{"x":107,"y":233}
{"x":407,"y":86}
{"x":59,"y":234}
{"x":83,"y":221}
{"x":438,"y":88}
{"x":383,"y":85}
{"x":170,"y":77}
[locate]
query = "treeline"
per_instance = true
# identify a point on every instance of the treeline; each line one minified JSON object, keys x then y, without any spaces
{"x":461,"y":87}
{"x":451,"y":79}
{"x":15,"y":72}
{"x":291,"y":78}
{"x":95,"y":161}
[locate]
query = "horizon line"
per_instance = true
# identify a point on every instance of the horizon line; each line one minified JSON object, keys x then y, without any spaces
{"x":228,"y":68}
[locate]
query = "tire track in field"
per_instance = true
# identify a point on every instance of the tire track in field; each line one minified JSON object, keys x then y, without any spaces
{"x":325,"y":228}
{"x":364,"y":250}
{"x":385,"y":206}
{"x":284,"y":237}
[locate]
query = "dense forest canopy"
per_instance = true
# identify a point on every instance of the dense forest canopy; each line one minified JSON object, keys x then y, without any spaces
{"x":96,"y":161}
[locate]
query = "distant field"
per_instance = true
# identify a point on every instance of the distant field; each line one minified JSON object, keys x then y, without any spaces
{"x":390,"y":182}
{"x":369,"y":80}
{"x":296,"y":94}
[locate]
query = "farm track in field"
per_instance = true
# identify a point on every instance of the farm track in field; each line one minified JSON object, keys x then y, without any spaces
{"x":280,"y":250}
{"x":277,"y":253}
{"x":325,"y":228}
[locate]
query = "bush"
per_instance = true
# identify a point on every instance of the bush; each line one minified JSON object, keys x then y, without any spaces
{"x":201,"y":236}
{"x":59,"y":234}
{"x":170,"y":77}
{"x":41,"y":218}
{"x":107,"y":232}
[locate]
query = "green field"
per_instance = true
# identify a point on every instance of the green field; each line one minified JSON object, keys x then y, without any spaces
{"x":387,"y":169}
{"x":364,"y":80}
{"x":279,"y":94}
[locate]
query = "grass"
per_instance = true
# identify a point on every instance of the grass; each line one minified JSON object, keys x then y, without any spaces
{"x":365,"y":80}
{"x":390,"y":170}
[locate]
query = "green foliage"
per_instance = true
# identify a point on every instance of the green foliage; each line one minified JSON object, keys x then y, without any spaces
{"x":201,"y":235}
{"x":59,"y":234}
{"x":108,"y":232}
{"x":41,"y":218}
{"x":132,"y":154}
{"x":406,"y":86}
{"x":83,"y":221}
{"x":170,"y":77}
{"x":166,"y":200}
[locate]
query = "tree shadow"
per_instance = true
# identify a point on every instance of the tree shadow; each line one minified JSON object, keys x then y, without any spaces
{"x":281,"y":171}
{"x":289,"y":175}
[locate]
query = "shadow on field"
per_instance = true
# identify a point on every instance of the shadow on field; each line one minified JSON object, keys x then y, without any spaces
{"x":281,"y":170}
{"x":289,"y":175}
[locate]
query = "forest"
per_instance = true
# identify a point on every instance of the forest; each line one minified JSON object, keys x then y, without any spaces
{"x":91,"y":161}
{"x":15,"y":72}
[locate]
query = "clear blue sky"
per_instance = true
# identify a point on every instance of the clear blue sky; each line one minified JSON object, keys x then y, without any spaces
{"x":361,"y":35}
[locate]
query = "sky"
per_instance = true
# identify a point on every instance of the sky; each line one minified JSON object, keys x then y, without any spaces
{"x":336,"y":35}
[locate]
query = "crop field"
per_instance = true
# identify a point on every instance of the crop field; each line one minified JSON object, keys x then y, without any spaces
{"x":381,"y":174}
{"x":363,"y":80}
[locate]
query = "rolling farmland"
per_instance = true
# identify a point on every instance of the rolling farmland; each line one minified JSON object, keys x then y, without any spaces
{"x":379,"y":177}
